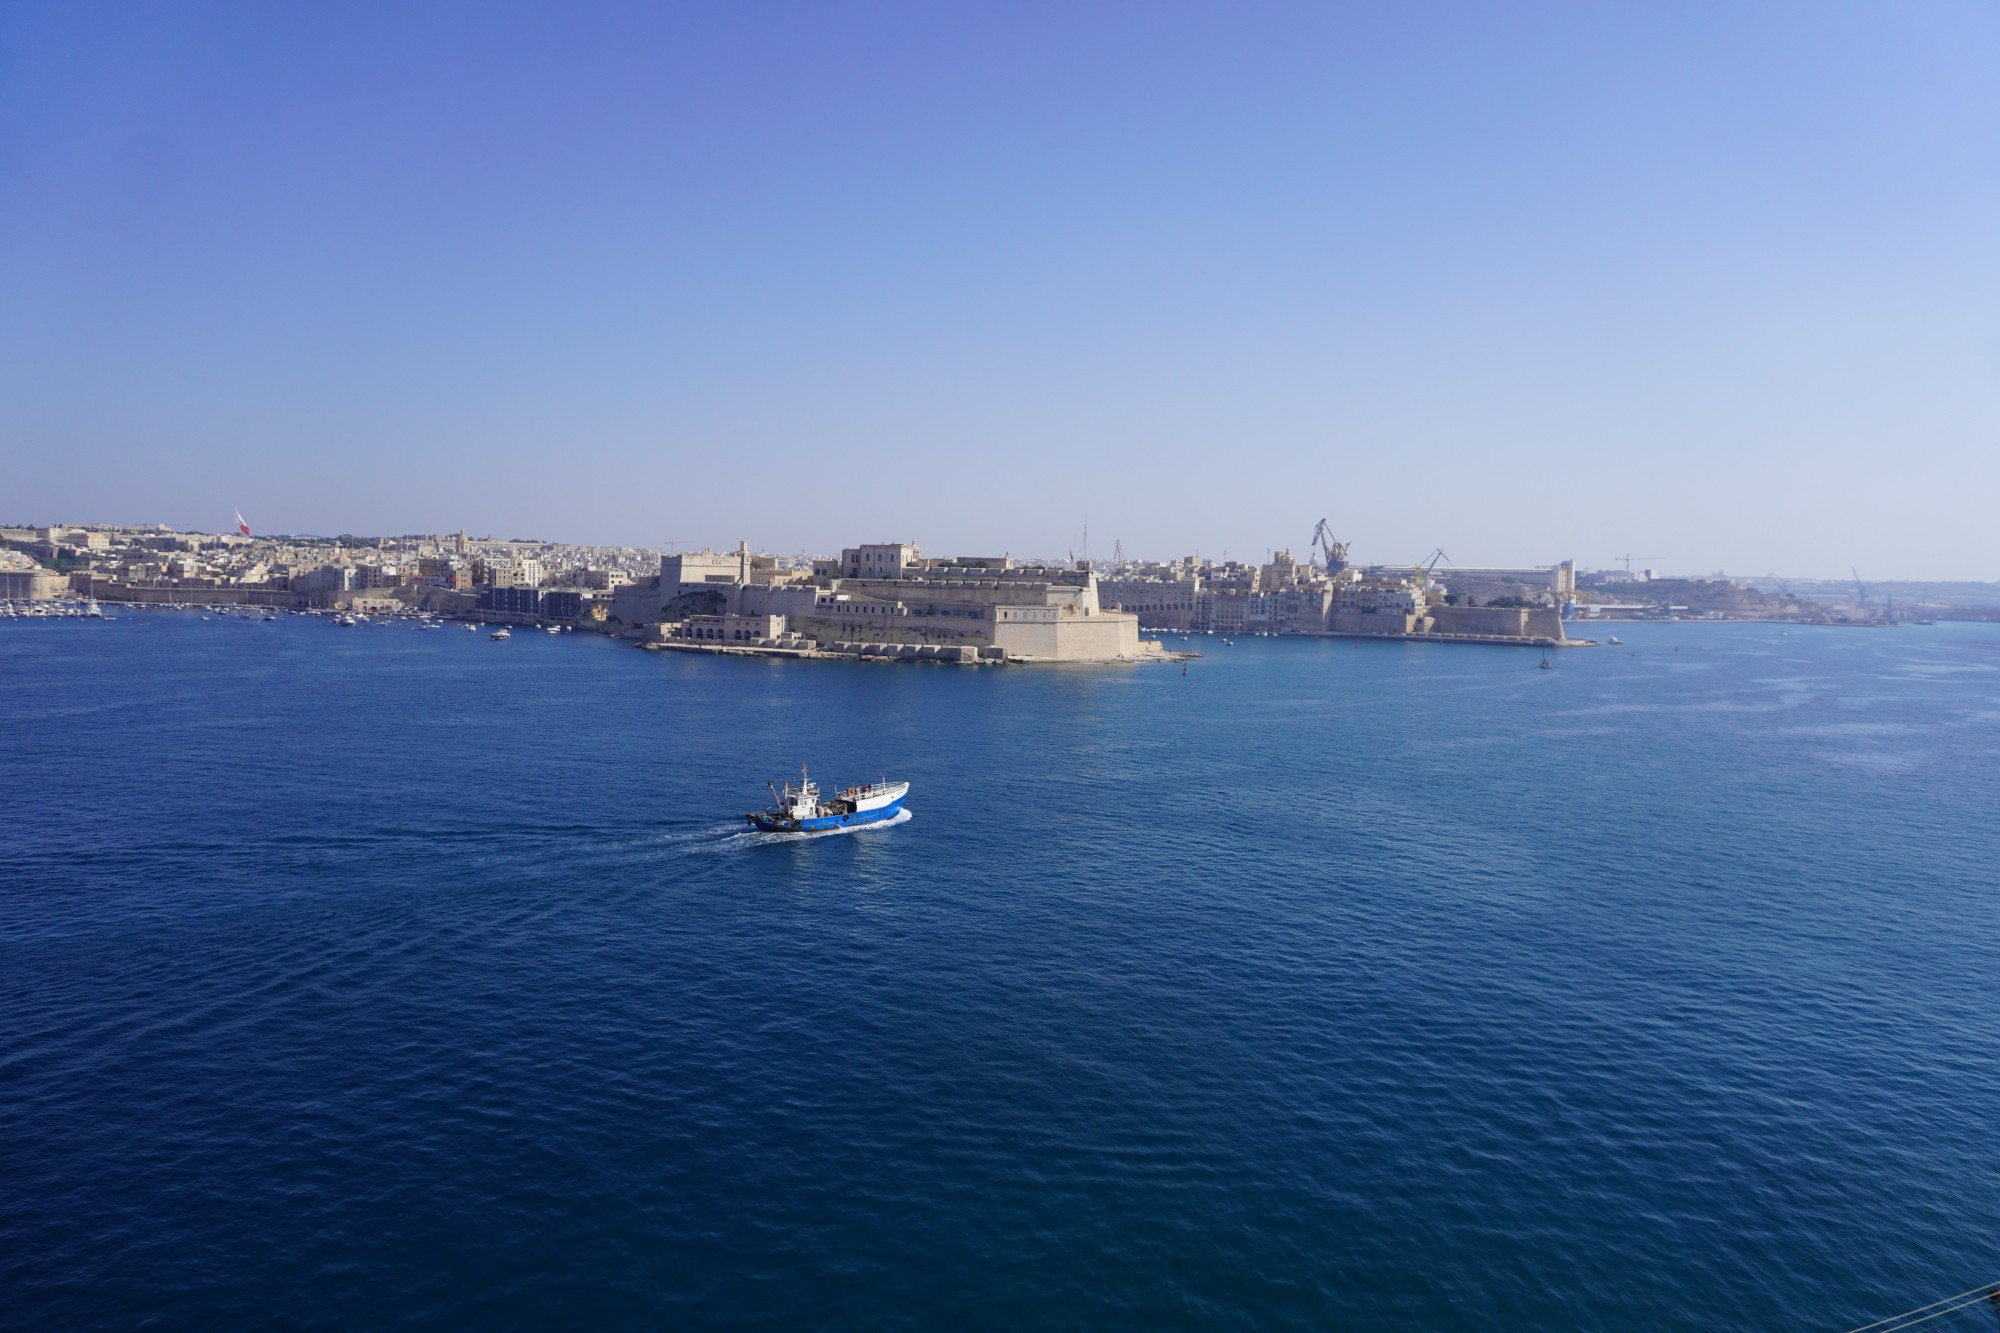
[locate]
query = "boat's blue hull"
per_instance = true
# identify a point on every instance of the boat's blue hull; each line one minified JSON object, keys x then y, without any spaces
{"x":823,"y":823}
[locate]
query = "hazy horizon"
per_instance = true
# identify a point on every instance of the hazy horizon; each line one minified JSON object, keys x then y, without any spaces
{"x":1710,"y":286}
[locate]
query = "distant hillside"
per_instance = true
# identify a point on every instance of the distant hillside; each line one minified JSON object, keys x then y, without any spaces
{"x":1934,"y":594}
{"x":1697,"y":595}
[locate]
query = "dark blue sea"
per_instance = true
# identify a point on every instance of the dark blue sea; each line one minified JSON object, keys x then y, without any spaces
{"x":377,"y":978}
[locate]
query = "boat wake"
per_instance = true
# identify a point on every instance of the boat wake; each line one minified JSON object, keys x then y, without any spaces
{"x":689,"y":842}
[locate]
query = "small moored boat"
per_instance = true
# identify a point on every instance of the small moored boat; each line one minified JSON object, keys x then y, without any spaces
{"x":800,"y":808}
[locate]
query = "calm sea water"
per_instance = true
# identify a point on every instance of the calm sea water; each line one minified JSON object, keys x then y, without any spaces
{"x":377,"y":977}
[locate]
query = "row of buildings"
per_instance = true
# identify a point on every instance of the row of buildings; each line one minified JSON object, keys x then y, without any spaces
{"x":158,"y":564}
{"x":869,"y":596}
{"x":1286,"y":597}
{"x":890,"y":593}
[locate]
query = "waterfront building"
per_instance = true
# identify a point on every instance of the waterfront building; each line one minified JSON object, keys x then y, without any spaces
{"x":33,"y":584}
{"x":1160,"y":601}
{"x":511,"y":601}
{"x":1378,"y":604}
{"x":733,"y":629}
{"x":564,"y":603}
{"x":1301,"y":609}
{"x":1222,"y":610}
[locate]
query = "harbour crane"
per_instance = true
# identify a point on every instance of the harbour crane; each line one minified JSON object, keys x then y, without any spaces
{"x":1429,"y":563}
{"x":1333,"y":549}
{"x":1860,"y":588}
{"x":1629,"y":558}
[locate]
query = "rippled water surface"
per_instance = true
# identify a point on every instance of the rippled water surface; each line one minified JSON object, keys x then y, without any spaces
{"x":377,"y":977}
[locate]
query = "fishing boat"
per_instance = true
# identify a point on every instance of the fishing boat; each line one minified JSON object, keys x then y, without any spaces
{"x":800,"y":808}
{"x":1616,"y":640}
{"x":500,"y":634}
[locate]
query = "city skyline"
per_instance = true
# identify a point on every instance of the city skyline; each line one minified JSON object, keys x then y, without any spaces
{"x":1531,"y":286}
{"x":1084,"y":550}
{"x":1099,"y":551}
{"x":81,"y":539}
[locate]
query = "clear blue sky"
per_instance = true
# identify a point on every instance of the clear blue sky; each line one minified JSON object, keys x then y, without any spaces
{"x":1712,"y":283}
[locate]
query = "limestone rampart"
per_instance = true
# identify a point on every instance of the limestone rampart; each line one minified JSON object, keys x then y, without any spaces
{"x":1104,"y":637}
{"x":1375,"y":622}
{"x":1496,"y":621}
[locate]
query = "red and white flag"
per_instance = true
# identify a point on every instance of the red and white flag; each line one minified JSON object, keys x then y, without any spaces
{"x":241,"y":526}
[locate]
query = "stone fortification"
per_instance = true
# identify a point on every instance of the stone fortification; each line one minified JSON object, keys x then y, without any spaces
{"x":636,"y":604}
{"x":32,"y":583}
{"x":878,"y":600}
{"x":1028,"y":615}
{"x":1539,"y":624}
{"x":1066,"y":633}
{"x":1378,"y":622}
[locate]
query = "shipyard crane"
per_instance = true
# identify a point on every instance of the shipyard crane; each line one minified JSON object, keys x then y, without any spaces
{"x":1628,"y":558}
{"x":1422,"y":568}
{"x":1429,"y":563}
{"x":1333,"y":549}
{"x":1860,"y":588}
